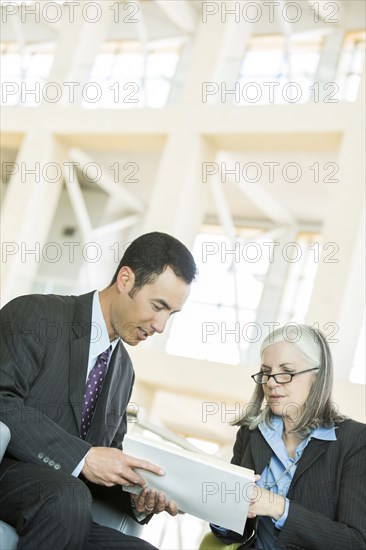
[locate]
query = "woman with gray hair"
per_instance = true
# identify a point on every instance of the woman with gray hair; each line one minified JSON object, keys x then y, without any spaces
{"x":310,"y":459}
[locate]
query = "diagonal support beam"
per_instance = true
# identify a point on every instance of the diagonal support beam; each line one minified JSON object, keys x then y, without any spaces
{"x":77,"y":201}
{"x":114,"y":227}
{"x":271,"y":207}
{"x":180,"y":13}
{"x":108,"y":184}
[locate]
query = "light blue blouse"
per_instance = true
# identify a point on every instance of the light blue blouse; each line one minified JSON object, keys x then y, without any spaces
{"x":279,"y":472}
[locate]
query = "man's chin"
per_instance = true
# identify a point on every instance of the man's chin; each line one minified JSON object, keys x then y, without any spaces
{"x":131,"y":341}
{"x":136,"y":338}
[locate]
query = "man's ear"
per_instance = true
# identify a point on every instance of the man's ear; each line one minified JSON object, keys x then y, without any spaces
{"x":125,"y":280}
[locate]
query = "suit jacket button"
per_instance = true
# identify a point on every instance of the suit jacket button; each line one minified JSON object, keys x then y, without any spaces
{"x":57,"y":466}
{"x":40,"y":455}
{"x":46,"y":459}
{"x":51,"y":463}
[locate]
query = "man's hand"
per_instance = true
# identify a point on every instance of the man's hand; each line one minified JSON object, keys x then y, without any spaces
{"x":106,"y":466}
{"x":152,"y":501}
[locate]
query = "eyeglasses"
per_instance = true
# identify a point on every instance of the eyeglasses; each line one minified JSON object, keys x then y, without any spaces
{"x":280,"y":378}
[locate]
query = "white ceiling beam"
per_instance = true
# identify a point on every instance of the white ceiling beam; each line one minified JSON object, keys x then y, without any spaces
{"x":180,"y":13}
{"x":78,"y":43}
{"x":223,"y":119}
{"x":263,"y":200}
{"x":227,"y":222}
{"x":222,"y":207}
{"x":108,"y":184}
{"x":144,"y":41}
{"x":231,"y":53}
{"x":77,"y":201}
{"x":287,"y":32}
{"x":324,"y":10}
{"x":113,"y":227}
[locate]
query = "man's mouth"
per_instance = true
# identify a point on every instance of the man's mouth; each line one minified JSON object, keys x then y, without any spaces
{"x":142,"y":334}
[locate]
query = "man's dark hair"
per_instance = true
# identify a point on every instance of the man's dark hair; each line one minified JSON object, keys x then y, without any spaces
{"x":150,"y":254}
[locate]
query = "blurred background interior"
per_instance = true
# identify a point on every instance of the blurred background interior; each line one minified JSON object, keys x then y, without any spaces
{"x":120,"y":118}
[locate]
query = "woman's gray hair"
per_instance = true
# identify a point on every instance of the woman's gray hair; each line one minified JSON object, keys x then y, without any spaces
{"x":318,"y":409}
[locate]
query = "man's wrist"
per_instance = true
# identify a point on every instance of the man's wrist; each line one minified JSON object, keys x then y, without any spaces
{"x":79,"y":468}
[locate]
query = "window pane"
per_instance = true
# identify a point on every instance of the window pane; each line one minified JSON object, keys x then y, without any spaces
{"x":218,"y":320}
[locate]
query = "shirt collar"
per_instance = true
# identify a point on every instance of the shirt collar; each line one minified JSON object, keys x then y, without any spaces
{"x":99,"y":339}
{"x":325,"y":433}
{"x":273,"y":435}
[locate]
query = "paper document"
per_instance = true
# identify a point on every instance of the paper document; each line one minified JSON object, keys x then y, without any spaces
{"x":200,"y":484}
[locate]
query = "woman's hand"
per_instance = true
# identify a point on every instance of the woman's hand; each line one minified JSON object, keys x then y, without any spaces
{"x":265,"y":503}
{"x":152,"y":501}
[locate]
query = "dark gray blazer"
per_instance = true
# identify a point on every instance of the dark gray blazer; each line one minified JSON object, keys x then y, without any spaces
{"x":44,"y":357}
{"x":328,"y":492}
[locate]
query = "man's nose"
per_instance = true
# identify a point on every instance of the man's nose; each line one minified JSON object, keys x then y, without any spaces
{"x":159,"y":322}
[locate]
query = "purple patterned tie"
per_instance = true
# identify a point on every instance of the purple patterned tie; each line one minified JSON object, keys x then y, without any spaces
{"x":93,"y":388}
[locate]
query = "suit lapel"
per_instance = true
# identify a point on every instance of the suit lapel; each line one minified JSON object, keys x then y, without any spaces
{"x":261,"y":451}
{"x":113,"y":376}
{"x":79,"y":353}
{"x":312,"y":452}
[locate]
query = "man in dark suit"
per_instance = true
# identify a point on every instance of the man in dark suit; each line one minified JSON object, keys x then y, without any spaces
{"x":61,"y":451}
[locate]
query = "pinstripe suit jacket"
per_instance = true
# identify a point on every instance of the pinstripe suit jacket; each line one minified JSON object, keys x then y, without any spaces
{"x":328,"y":492}
{"x":44,"y":358}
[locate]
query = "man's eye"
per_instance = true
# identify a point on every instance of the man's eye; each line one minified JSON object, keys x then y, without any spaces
{"x":156,"y":308}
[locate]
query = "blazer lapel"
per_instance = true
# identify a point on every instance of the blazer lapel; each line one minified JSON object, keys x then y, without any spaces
{"x":261,"y":451}
{"x":313,"y":451}
{"x":79,"y":353}
{"x":113,"y":376}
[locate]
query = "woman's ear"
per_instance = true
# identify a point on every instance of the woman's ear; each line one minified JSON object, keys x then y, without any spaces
{"x":125,"y":280}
